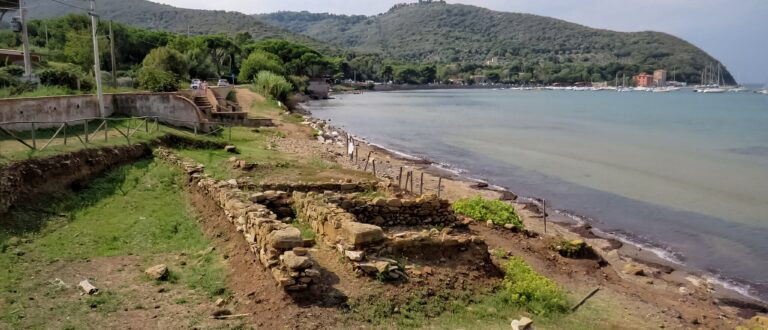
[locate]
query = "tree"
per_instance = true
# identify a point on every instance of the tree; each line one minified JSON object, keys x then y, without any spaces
{"x":407,"y":76}
{"x":78,"y":49}
{"x":428,"y":74}
{"x":169,"y":60}
{"x":387,"y":73}
{"x":259,"y":61}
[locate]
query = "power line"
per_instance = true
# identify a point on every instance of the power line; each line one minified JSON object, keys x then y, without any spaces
{"x":69,"y":5}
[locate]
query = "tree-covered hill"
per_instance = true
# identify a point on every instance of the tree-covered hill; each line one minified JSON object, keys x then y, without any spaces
{"x":453,"y":33}
{"x":141,"y":13}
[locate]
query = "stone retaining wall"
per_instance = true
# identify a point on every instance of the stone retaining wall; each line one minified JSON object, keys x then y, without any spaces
{"x":427,"y":210}
{"x":368,"y":247}
{"x":318,"y":187}
{"x":278,"y":246}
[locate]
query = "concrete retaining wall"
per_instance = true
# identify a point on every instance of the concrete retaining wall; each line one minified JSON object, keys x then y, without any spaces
{"x":175,"y":109}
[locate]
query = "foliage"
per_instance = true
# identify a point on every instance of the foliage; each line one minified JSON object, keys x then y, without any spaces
{"x":168,"y":60}
{"x":272,"y":85}
{"x":157,"y":80}
{"x":481,"y":209}
{"x":550,"y":50}
{"x":66,"y":75}
{"x":258,"y":61}
{"x":13,"y":70}
{"x":7,"y":80}
{"x":526,"y":288}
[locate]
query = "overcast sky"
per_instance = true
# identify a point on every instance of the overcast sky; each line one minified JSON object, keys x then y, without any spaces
{"x":734,"y":31}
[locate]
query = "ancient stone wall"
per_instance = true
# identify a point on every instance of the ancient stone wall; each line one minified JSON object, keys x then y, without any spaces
{"x":278,"y":246}
{"x":427,"y":210}
{"x":369,"y":248}
{"x":317,"y":187}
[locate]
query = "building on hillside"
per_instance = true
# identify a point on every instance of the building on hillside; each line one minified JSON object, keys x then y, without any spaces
{"x":12,"y":56}
{"x":643,"y":80}
{"x":660,"y":78}
{"x":494,"y":61}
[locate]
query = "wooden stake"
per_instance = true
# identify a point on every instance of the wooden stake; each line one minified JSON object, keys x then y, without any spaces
{"x":583,"y":300}
{"x":400,"y":178}
{"x":421,"y":184}
{"x":439,"y":186}
{"x":374,"y":168}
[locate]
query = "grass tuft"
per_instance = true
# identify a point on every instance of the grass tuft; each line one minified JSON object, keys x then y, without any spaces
{"x":482,"y":209}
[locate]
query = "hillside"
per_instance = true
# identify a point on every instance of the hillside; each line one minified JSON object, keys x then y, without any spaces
{"x":444,"y":33}
{"x":142,"y":13}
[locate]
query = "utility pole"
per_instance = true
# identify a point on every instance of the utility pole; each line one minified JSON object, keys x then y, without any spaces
{"x":96,"y":60}
{"x":25,"y":40}
{"x":46,"y":33}
{"x":112,"y":50}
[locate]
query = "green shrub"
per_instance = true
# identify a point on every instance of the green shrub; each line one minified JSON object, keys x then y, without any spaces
{"x":272,"y":85}
{"x":526,"y":288}
{"x":482,"y":209}
{"x":157,"y":80}
{"x":259,"y":61}
{"x":67,"y":75}
{"x":14,"y":70}
{"x":168,"y":60}
{"x":7,"y":80}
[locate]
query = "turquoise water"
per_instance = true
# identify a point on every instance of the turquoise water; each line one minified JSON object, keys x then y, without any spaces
{"x":685,"y":173}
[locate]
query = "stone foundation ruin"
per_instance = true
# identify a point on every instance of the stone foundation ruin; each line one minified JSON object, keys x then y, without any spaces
{"x":373,"y":234}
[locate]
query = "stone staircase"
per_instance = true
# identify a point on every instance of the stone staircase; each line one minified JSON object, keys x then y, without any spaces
{"x":204,"y":105}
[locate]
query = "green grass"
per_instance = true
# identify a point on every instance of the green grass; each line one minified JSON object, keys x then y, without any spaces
{"x":42,"y":91}
{"x":482,"y":209}
{"x":306,"y":231}
{"x":133,"y":210}
{"x":320,"y":164}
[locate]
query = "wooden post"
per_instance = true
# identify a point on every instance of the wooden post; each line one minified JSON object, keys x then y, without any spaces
{"x":34,"y":139}
{"x":544,"y":209}
{"x":85,"y":127}
{"x":357,"y":148}
{"x":106,"y":130}
{"x":421,"y":184}
{"x":195,"y":129}
{"x":146,"y":124}
{"x":407,"y":177}
{"x":374,"y":168}
{"x":400,"y":178}
{"x":439,"y":186}
{"x":65,"y":133}
{"x":412,"y":177}
{"x":230,"y":133}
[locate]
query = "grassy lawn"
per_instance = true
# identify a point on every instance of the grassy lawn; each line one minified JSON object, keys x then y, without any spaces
{"x":109,"y":232}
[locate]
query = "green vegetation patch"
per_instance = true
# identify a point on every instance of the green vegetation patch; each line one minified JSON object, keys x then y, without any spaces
{"x":526,"y":288}
{"x":482,"y":209}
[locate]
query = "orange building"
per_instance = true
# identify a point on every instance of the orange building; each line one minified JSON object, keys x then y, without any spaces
{"x":643,"y":80}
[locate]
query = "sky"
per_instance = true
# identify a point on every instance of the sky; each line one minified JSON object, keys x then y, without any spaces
{"x":733,"y":31}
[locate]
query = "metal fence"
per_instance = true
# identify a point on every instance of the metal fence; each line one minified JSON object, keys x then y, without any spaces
{"x":39,"y":135}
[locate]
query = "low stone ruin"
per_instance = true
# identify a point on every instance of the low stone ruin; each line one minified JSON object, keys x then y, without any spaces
{"x":278,"y":246}
{"x":369,"y":248}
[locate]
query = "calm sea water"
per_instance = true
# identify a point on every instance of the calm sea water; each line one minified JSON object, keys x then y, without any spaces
{"x":685,"y":173}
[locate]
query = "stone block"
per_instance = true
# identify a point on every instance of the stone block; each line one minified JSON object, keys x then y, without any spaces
{"x":357,"y":233}
{"x":286,"y":238}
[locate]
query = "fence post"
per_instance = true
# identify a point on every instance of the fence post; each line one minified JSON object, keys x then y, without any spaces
{"x":400,"y":178}
{"x":421,"y":184}
{"x":106,"y":130}
{"x":374,"y":168}
{"x":65,"y":132}
{"x":146,"y":124}
{"x":356,"y":153}
{"x":34,"y":139}
{"x":195,"y":129}
{"x":85,"y":127}
{"x":412,"y":180}
{"x":439,"y":186}
{"x":544,"y":209}
{"x":230,"y":133}
{"x":157,"y":126}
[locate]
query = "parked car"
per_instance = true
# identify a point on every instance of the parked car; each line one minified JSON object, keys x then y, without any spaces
{"x":222,"y":83}
{"x":195,"y":84}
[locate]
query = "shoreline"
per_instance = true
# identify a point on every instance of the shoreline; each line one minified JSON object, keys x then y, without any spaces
{"x":615,"y":248}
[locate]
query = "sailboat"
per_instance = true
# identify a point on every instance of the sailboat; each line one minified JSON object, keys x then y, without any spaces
{"x":714,"y":80}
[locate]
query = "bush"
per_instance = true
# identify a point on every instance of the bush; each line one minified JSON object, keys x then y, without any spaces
{"x":7,"y":80}
{"x":526,"y":288}
{"x":272,"y":85}
{"x":157,"y":80}
{"x":67,"y":75}
{"x":168,"y":60}
{"x":482,"y":209}
{"x":14,"y":70}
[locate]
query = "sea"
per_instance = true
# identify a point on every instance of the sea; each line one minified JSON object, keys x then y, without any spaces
{"x":682,"y":174}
